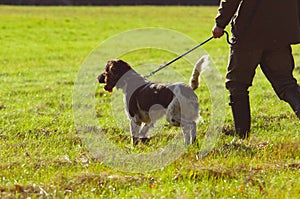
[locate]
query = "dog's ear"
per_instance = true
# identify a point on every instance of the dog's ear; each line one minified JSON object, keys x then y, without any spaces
{"x":118,"y":67}
{"x":109,"y":65}
{"x":123,"y":63}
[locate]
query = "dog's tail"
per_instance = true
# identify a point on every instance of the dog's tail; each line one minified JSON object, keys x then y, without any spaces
{"x":201,"y":65}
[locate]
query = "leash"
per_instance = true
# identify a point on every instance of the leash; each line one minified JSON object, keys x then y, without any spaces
{"x":187,"y":52}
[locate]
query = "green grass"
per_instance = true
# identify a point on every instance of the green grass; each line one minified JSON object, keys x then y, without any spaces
{"x":42,"y":155}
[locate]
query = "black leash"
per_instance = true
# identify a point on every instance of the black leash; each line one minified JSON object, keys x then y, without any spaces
{"x":179,"y":57}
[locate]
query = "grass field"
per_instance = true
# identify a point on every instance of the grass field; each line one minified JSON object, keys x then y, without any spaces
{"x":42,"y":155}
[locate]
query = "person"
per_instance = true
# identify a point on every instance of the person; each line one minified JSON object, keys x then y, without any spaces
{"x":262,"y":34}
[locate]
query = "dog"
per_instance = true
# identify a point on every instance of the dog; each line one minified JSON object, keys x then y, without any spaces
{"x":146,"y":101}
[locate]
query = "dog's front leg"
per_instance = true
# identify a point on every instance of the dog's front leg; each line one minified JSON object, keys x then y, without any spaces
{"x":144,"y":131}
{"x":134,"y":130}
{"x":189,"y":132}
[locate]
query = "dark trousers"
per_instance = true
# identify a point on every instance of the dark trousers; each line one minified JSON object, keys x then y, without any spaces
{"x":276,"y":63}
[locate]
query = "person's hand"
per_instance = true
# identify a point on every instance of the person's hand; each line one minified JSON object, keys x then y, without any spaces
{"x":217,"y":32}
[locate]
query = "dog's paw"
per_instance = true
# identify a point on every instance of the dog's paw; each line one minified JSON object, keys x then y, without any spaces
{"x":145,"y":140}
{"x":136,"y":140}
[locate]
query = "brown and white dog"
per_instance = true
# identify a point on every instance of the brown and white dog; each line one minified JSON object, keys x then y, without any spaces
{"x":146,"y":102}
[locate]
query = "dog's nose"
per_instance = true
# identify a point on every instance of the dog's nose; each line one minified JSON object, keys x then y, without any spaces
{"x":101,"y":78}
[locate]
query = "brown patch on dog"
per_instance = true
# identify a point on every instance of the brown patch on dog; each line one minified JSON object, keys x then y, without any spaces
{"x":149,"y":95}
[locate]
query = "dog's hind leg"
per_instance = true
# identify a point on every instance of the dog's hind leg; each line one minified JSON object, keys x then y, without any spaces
{"x":193,"y":131}
{"x":134,"y":130}
{"x":173,"y":115}
{"x":189,"y":132}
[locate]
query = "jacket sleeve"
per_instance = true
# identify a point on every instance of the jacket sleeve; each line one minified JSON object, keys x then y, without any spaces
{"x":227,"y":9}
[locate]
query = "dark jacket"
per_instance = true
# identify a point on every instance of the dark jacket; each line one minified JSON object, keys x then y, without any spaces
{"x":261,"y":23}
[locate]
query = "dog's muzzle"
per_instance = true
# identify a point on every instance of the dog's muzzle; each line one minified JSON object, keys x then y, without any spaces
{"x":101,"y":79}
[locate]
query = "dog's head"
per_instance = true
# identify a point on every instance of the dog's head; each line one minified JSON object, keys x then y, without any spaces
{"x":113,"y":71}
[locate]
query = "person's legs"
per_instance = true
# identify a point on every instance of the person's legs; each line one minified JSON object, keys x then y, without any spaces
{"x":241,"y":70}
{"x":292,"y":96}
{"x":278,"y":65}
